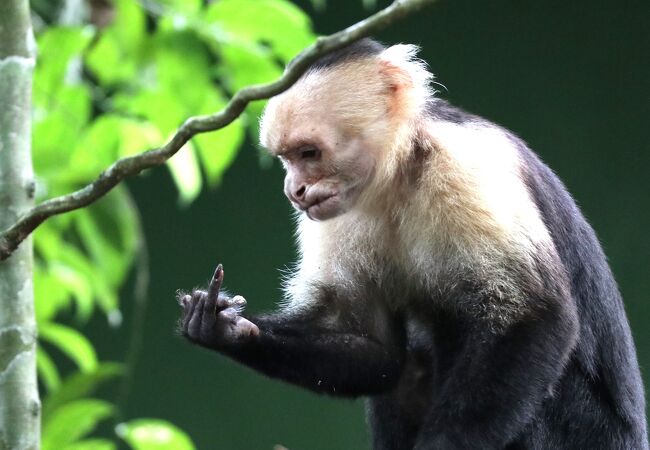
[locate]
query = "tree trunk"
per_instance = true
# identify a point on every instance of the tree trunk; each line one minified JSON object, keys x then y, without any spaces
{"x":19,"y":402}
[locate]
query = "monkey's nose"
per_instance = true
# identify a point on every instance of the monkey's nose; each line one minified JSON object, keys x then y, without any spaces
{"x":299,"y":194}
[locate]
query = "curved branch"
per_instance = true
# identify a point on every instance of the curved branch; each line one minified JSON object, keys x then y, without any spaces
{"x":123,"y":168}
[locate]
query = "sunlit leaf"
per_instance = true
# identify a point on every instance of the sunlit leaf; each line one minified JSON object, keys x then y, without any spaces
{"x":57,"y":47}
{"x":118,"y":211}
{"x":70,"y":342}
{"x":114,"y":58}
{"x":47,"y":371}
{"x":80,"y":384}
{"x":92,"y":444}
{"x":58,"y":123}
{"x":50,"y":295}
{"x":77,"y":285}
{"x":95,"y":149}
{"x":137,"y":136}
{"x":104,"y":251}
{"x":185,"y":171}
{"x":61,"y":101}
{"x":47,"y":238}
{"x":110,"y":245}
{"x":156,"y":104}
{"x":109,"y":233}
{"x":182,"y":56}
{"x":108,"y":61}
{"x":245,"y":64}
{"x":103,"y":292}
{"x":154,"y":434}
{"x":217,"y":150}
{"x":72,"y":422}
{"x":276,"y":22}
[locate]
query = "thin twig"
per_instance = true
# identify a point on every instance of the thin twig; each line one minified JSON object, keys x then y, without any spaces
{"x":123,"y":168}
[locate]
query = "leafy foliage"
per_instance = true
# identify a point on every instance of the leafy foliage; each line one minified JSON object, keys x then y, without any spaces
{"x":153,"y":434}
{"x":106,"y":93}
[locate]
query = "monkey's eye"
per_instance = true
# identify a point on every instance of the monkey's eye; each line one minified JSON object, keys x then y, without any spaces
{"x":309,"y":152}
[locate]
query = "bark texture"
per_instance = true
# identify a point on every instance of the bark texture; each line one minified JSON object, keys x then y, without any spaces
{"x":19,"y":402}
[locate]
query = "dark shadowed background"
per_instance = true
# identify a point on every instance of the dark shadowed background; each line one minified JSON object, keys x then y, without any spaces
{"x":572,"y":78}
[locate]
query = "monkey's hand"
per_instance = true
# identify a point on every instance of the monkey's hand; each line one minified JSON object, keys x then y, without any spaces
{"x":212,"y":319}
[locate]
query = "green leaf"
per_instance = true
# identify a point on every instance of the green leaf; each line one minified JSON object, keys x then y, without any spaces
{"x":117,"y":213}
{"x":58,"y":47}
{"x":245,"y":64}
{"x":157,"y":105}
{"x":72,"y":422}
{"x":107,"y":138}
{"x":110,"y":234}
{"x":137,"y":136}
{"x":185,"y":171}
{"x":179,"y":57}
{"x":96,"y":148}
{"x":47,"y":370}
{"x":47,"y":237}
{"x":61,"y":101}
{"x":104,"y":293}
{"x":104,"y":251}
{"x":92,"y":444}
{"x":50,"y":295}
{"x":115,"y":57}
{"x":217,"y":149}
{"x":70,"y":342}
{"x":276,"y":22}
{"x":80,"y":384}
{"x":58,"y":123}
{"x":77,"y":286}
{"x":154,"y":434}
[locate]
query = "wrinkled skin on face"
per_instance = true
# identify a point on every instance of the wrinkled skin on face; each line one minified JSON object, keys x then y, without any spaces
{"x":325,"y":182}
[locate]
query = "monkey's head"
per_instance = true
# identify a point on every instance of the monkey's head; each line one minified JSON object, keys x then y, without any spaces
{"x":344,"y":126}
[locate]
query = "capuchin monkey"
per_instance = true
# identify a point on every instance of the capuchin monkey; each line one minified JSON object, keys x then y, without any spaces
{"x":445,"y":273}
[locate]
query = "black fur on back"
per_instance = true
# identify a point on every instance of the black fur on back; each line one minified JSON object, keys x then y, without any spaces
{"x":601,"y":393}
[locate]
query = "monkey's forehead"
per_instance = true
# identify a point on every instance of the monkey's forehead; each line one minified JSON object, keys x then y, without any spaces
{"x":343,"y":95}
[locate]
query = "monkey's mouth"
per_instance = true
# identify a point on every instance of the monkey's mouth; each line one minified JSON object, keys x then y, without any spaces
{"x":323,"y":208}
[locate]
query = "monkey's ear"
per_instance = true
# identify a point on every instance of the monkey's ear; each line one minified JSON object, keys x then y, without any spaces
{"x":407,"y":78}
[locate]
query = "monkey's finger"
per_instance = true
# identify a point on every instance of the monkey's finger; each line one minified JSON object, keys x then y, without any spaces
{"x":188,"y":310}
{"x":184,"y":300}
{"x":215,"y":284}
{"x":238,"y":300}
{"x":194,"y":325}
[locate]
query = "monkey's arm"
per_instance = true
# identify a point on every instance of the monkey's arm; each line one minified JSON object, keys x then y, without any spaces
{"x":500,"y":379}
{"x":339,"y":362}
{"x":345,"y":359}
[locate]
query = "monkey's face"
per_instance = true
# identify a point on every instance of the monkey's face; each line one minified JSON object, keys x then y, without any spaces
{"x":324,"y":178}
{"x":329,"y":137}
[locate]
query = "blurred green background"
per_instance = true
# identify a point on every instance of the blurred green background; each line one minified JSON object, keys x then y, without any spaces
{"x":572,"y":78}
